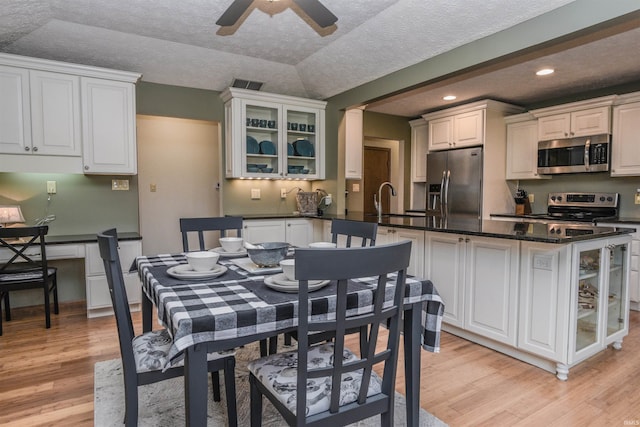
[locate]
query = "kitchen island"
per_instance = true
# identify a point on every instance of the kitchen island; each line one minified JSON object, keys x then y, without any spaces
{"x":548,"y":297}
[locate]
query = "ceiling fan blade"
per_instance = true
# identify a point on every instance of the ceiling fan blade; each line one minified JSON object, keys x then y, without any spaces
{"x":233,"y":13}
{"x":316,"y":11}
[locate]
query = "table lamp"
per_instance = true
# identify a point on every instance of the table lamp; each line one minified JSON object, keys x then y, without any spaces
{"x":10,"y":214}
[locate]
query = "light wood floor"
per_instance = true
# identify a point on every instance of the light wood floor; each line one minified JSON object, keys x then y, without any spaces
{"x":46,"y":378}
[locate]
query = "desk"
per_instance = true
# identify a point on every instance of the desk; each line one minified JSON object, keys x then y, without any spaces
{"x":85,"y":247}
{"x":237,"y":308}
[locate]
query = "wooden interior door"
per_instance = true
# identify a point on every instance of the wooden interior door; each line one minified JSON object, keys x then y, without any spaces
{"x":377,"y":169}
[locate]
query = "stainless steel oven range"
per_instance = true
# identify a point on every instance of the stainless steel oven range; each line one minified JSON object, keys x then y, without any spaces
{"x":580,"y":207}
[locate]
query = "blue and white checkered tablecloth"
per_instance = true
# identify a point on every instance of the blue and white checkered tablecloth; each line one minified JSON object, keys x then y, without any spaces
{"x":238,"y":304}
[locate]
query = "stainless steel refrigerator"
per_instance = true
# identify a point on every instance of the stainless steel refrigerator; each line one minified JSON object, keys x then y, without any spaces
{"x":454,"y":183}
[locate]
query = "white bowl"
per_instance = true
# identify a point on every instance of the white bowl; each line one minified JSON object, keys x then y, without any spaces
{"x":231,"y":244}
{"x":322,"y":245}
{"x":203,"y":260}
{"x":289,"y":268}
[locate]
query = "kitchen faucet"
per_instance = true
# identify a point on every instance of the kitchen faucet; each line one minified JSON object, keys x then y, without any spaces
{"x":378,"y":202}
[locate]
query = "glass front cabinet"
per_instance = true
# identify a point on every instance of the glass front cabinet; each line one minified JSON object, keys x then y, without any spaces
{"x":599,"y":311}
{"x":273,"y":136}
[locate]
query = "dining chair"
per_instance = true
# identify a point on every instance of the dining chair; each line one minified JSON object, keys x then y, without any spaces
{"x":142,"y":355}
{"x":364,"y":230}
{"x":201,"y":225}
{"x":327,"y":384}
{"x":27,"y":268}
{"x":343,"y":227}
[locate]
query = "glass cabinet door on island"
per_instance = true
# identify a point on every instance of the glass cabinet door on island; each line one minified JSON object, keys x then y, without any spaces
{"x":601,"y":301}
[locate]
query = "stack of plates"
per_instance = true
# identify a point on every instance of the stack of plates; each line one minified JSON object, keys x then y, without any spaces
{"x":185,"y":272}
{"x":267,"y":147}
{"x":252,"y":145}
{"x":304,"y":148}
{"x":279,"y":282}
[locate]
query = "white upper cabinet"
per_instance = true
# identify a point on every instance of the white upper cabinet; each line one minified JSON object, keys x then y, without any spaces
{"x":273,"y":136}
{"x":463,"y":126}
{"x":419,"y":149}
{"x":522,"y":147}
{"x":353,"y":144}
{"x":15,"y":117}
{"x":460,"y":130}
{"x":55,"y":114}
{"x":584,"y":118}
{"x":625,"y":153}
{"x":109,"y":132}
{"x":57,"y":117}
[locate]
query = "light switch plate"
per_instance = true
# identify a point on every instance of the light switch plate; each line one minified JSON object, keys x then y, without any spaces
{"x":283,"y":193}
{"x":51,"y":187}
{"x":255,"y":194}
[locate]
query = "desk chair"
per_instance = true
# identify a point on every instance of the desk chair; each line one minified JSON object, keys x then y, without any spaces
{"x":327,"y":384}
{"x":364,"y":230}
{"x":201,"y":225}
{"x":27,"y":268}
{"x":142,"y":354}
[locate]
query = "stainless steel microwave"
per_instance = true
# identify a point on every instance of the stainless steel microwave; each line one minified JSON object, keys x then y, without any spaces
{"x":573,"y":155}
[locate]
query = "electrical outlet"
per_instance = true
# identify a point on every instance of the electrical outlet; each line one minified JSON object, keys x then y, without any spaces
{"x":532,"y":198}
{"x":328,"y":200}
{"x":51,"y":187}
{"x":637,"y":198}
{"x":355,"y":188}
{"x":255,"y":194}
{"x":120,"y":184}
{"x":283,"y":193}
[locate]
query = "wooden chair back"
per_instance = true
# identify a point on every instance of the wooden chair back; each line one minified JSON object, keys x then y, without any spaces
{"x":200,"y":225}
{"x":340,"y":265}
{"x":108,"y":245}
{"x":365,"y":230}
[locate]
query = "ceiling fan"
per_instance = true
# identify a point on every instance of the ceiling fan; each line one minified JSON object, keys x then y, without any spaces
{"x":313,"y":8}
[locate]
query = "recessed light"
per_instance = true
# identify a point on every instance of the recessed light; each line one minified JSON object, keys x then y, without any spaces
{"x":449,"y":97}
{"x":545,"y":72}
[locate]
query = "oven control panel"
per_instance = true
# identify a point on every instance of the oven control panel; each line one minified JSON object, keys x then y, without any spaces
{"x":606,"y":200}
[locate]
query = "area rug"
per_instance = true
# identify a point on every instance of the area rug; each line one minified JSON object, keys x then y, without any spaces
{"x":162,"y":404}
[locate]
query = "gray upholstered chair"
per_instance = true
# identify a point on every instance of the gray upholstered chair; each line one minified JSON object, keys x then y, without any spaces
{"x":25,"y":271}
{"x":364,"y":230}
{"x":142,"y":355}
{"x":201,"y":225}
{"x":327,"y":384}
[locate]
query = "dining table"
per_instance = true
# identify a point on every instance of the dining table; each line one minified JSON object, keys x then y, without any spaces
{"x":237,"y":307}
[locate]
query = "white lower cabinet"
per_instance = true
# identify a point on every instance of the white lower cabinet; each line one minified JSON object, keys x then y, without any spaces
{"x":477,"y":279}
{"x":98,"y":298}
{"x":389,"y":235}
{"x":544,"y":299}
{"x":297,"y":232}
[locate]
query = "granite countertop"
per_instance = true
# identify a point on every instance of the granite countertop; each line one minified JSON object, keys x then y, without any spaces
{"x":514,"y":230}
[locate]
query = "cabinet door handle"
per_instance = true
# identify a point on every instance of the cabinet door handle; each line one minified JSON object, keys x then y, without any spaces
{"x":467,"y":240}
{"x":460,"y":239}
{"x":35,"y":148}
{"x":27,"y":148}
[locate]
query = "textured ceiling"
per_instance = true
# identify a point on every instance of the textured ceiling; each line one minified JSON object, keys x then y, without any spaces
{"x":177,"y":42}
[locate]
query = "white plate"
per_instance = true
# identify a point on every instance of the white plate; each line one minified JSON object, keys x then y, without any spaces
{"x":251,"y":267}
{"x":184,"y":271}
{"x":269,"y":281}
{"x":220,"y":250}
{"x":281,"y":279}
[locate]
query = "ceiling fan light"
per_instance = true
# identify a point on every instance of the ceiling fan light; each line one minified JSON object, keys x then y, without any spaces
{"x":545,"y":72}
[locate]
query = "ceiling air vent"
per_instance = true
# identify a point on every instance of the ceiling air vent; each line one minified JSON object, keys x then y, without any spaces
{"x":246,"y":84}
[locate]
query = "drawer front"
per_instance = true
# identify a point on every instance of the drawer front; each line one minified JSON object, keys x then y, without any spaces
{"x":53,"y":252}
